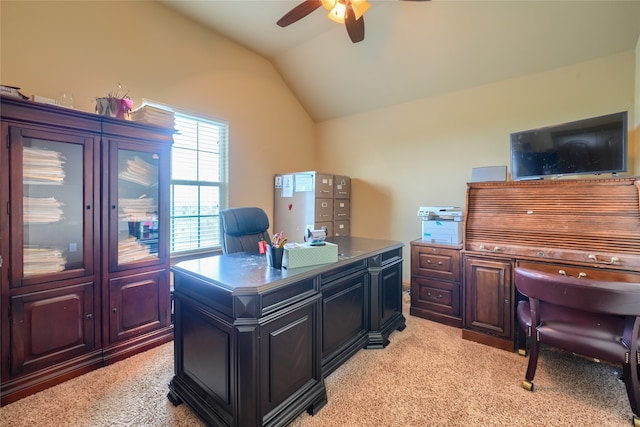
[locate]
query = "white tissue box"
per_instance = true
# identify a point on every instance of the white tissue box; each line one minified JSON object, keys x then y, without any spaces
{"x":303,"y":254}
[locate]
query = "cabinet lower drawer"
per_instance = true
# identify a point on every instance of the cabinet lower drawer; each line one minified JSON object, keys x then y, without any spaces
{"x":436,"y":295}
{"x":581,"y":271}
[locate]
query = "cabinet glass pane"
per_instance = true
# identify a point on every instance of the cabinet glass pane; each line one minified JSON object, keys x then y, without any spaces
{"x":138,"y":206}
{"x":53,"y":214}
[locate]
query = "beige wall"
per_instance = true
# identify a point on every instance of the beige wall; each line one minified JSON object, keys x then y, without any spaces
{"x":400,"y":158}
{"x":421,"y":153}
{"x":87,"y":48}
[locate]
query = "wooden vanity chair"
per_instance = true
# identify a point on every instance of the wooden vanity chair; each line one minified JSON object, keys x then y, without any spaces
{"x":588,"y":317}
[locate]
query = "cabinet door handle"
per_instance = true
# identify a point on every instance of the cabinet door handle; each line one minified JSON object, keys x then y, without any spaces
{"x":89,"y":316}
{"x":614,"y":259}
{"x":114,"y":310}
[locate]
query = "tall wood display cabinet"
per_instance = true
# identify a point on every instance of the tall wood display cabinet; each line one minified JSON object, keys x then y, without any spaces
{"x":83,"y":243}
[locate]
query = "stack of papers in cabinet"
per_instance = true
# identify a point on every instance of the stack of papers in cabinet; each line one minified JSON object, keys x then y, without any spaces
{"x":153,"y":116}
{"x":41,"y":210}
{"x":130,"y":250}
{"x":135,"y":210}
{"x":42,"y":166}
{"x":42,"y":261}
{"x":140,"y":172}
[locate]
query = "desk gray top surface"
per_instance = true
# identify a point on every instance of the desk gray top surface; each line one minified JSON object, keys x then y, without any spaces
{"x":247,"y":272}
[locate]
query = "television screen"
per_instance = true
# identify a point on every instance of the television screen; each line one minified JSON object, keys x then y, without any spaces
{"x":590,"y":146}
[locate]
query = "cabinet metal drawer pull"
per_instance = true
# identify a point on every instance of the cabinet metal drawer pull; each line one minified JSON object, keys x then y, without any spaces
{"x":89,"y":316}
{"x":439,"y":296}
{"x":614,"y":259}
{"x":495,"y":248}
{"x":579,"y":276}
{"x":114,"y":310}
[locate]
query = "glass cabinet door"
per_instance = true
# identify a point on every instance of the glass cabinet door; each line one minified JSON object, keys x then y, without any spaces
{"x":51,"y":205}
{"x":135,"y":201}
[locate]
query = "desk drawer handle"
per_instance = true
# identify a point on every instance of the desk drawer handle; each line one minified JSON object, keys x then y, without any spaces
{"x":495,"y":248}
{"x":614,"y":259}
{"x":429,"y":262}
{"x":580,"y":275}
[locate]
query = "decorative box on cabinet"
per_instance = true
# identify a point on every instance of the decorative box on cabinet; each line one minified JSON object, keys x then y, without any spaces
{"x":435,"y":282}
{"x":54,"y":276}
{"x":578,"y":227}
{"x":312,"y":200}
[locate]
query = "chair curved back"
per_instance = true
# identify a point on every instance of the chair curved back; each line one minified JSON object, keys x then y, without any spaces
{"x":242,"y":229}
{"x":584,"y":294}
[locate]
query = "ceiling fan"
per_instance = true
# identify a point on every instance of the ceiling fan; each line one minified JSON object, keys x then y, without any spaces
{"x":347,"y":12}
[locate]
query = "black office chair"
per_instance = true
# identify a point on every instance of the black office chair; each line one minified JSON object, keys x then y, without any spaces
{"x":243,"y":228}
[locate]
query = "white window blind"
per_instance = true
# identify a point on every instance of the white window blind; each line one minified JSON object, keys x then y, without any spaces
{"x":198,"y":175}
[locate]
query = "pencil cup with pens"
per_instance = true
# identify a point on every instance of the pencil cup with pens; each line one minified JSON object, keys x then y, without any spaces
{"x":275,"y":250}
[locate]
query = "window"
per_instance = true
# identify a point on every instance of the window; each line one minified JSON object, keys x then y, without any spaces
{"x":198,"y":175}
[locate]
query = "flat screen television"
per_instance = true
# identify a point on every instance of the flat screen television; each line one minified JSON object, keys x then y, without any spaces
{"x":590,"y":146}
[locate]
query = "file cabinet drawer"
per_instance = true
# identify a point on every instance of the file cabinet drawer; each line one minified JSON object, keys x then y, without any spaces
{"x":436,"y":262}
{"x":342,"y":187}
{"x":438,"y":296}
{"x":324,"y":210}
{"x":341,"y":228}
{"x":341,"y":209}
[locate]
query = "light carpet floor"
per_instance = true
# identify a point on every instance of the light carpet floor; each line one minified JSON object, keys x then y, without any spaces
{"x":427,"y":376}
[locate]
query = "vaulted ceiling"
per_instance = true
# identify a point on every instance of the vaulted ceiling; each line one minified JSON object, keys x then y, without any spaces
{"x":414,"y":50}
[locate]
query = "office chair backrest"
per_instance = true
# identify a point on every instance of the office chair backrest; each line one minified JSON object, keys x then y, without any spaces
{"x":243,"y":228}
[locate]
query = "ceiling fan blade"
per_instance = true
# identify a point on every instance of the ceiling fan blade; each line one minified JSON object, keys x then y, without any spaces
{"x":355,"y":27}
{"x":299,"y":12}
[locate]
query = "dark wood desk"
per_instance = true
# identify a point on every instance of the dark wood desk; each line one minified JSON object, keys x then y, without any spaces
{"x":253,"y":344}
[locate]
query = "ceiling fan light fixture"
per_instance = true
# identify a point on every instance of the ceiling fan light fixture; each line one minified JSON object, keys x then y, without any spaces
{"x":328,"y":4}
{"x":337,"y":13}
{"x":360,"y":7}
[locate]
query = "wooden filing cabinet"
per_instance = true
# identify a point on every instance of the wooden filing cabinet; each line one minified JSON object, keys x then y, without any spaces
{"x":435,"y":282}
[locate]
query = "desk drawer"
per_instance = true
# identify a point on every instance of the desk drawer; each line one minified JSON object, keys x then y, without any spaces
{"x":581,"y":271}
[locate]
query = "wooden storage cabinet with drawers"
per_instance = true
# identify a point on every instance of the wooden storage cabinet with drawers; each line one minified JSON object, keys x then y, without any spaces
{"x":435,"y":282}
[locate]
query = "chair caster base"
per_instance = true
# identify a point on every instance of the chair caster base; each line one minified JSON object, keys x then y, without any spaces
{"x":528,"y":385}
{"x":636,"y":421}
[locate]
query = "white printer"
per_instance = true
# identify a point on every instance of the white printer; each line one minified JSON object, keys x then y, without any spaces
{"x":441,"y":224}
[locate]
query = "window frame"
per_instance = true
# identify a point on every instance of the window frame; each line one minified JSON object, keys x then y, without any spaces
{"x":222,"y":156}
